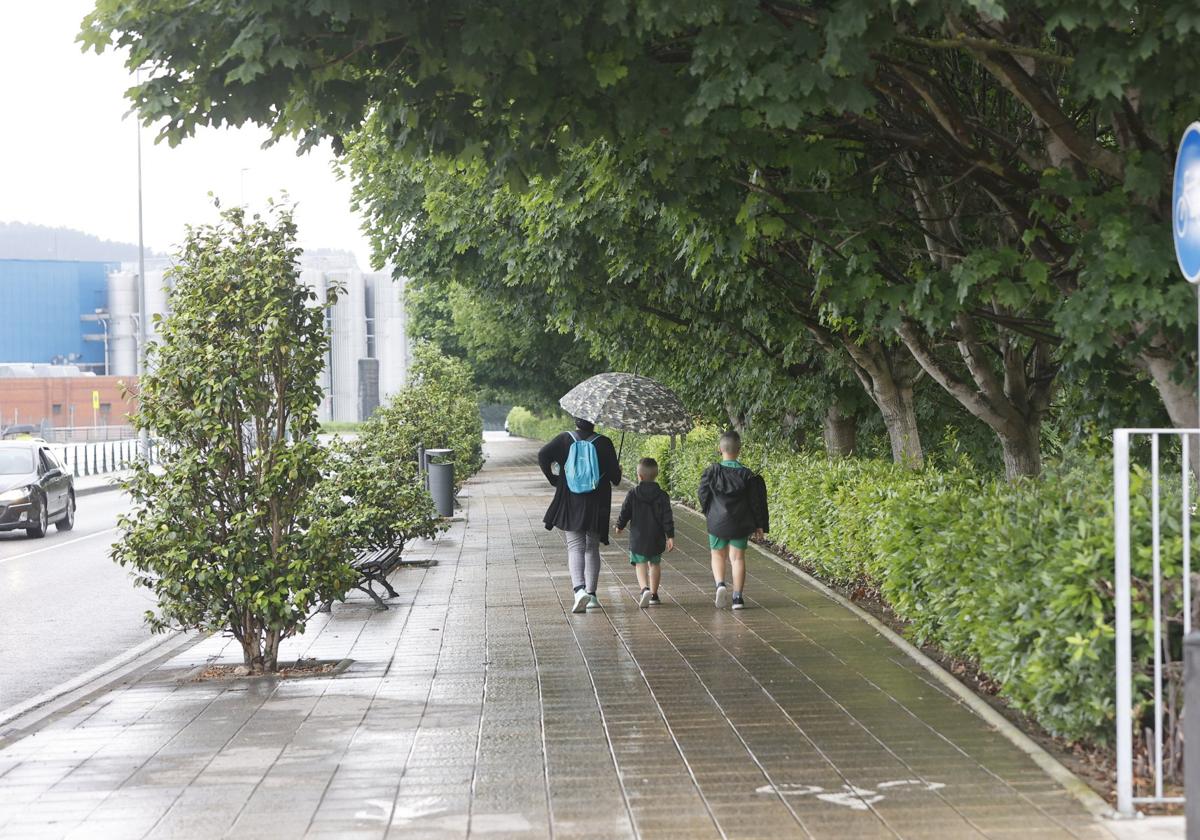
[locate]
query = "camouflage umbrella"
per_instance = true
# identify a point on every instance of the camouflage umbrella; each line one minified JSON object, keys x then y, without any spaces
{"x":628,"y":402}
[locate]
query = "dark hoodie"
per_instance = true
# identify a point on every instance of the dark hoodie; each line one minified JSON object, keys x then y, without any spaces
{"x":734,"y":501}
{"x":648,"y":508}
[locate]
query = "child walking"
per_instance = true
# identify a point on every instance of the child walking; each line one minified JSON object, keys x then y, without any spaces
{"x":647,"y":512}
{"x":734,"y":501}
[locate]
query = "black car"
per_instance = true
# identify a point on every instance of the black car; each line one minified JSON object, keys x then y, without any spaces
{"x":35,"y":489}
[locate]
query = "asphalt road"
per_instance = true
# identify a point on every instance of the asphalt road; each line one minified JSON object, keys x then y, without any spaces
{"x":65,"y":608}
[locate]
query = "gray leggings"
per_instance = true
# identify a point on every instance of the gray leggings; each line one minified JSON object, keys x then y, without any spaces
{"x":583,"y":556}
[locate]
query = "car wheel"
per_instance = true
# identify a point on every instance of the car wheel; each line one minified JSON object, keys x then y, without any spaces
{"x":68,"y":520}
{"x":39,"y":530}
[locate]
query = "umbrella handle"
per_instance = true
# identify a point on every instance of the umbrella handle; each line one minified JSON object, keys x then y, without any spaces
{"x":621,"y":447}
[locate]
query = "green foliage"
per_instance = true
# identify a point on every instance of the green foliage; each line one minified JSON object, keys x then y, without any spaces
{"x":524,"y":423}
{"x":375,"y":495}
{"x":230,"y":535}
{"x":513,"y":359}
{"x":855,"y":170}
{"x":438,"y":409}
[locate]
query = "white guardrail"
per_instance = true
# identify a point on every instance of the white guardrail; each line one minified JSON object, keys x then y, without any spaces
{"x":102,"y":457}
{"x":1167,"y":692}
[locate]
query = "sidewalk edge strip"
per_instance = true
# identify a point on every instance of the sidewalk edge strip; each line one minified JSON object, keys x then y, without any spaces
{"x":1088,"y":798}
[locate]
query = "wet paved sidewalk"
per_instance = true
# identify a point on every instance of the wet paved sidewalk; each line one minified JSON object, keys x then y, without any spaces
{"x":478,"y":705}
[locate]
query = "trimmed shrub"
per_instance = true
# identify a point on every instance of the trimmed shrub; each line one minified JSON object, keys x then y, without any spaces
{"x":524,"y":423}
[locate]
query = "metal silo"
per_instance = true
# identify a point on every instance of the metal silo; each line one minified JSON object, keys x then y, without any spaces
{"x":314,"y":279}
{"x":391,"y":334}
{"x":122,"y":333}
{"x":348,"y":342}
{"x":156,"y":299}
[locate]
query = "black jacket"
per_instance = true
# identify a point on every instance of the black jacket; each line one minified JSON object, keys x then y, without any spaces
{"x":580,"y":511}
{"x":647,"y":510}
{"x":734,"y":501}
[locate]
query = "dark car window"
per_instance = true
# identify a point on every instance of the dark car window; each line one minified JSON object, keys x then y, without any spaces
{"x":16,"y":461}
{"x":48,"y":462}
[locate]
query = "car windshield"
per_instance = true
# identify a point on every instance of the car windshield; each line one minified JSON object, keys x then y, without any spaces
{"x":16,"y":461}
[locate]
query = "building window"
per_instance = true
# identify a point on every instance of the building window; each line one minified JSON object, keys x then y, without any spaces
{"x":56,"y":409}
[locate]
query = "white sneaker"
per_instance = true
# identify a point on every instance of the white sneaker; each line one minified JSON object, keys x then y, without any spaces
{"x":593,"y":603}
{"x":581,"y":601}
{"x":644,"y":599}
{"x":722,"y":599}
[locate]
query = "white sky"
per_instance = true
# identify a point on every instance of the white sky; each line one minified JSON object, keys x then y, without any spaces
{"x":68,"y":155}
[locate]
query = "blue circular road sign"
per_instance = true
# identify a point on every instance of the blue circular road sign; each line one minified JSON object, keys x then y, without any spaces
{"x":1185,"y":199}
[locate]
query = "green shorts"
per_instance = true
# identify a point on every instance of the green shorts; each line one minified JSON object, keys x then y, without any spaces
{"x":716,"y":543}
{"x":634,"y":559}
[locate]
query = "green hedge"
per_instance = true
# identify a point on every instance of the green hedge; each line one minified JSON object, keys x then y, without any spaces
{"x":524,"y":423}
{"x":1015,"y":576}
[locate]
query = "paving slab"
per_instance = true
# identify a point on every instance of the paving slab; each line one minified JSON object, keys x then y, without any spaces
{"x":479,"y":706}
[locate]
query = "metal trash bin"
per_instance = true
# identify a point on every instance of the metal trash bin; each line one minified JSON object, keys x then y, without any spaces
{"x":440,"y":466}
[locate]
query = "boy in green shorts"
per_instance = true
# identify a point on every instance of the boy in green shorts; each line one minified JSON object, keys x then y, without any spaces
{"x":647,"y":510}
{"x":734,"y":501}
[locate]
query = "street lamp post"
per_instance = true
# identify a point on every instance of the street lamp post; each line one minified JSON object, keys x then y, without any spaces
{"x":144,"y":436}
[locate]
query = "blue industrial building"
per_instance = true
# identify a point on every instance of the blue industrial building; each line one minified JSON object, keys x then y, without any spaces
{"x":41,"y":304}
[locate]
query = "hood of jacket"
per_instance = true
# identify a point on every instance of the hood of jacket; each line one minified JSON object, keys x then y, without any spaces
{"x":647,"y":491}
{"x":730,"y":480}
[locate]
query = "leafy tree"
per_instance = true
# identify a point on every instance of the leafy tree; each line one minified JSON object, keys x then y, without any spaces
{"x":228,"y":534}
{"x":374,"y":496}
{"x":978,"y":190}
{"x":513,"y":359}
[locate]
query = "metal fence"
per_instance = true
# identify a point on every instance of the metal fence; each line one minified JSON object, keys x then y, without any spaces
{"x":84,"y":459}
{"x":1170,"y":607}
{"x":87,"y":434}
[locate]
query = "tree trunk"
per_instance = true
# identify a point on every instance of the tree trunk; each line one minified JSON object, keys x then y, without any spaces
{"x":271,"y":652}
{"x":797,"y":436}
{"x":251,"y":639}
{"x":888,"y":379}
{"x":737,"y":418}
{"x":900,"y":417}
{"x":841,"y":432}
{"x":1021,"y":446}
{"x":1011,"y":401}
{"x":1179,"y":398}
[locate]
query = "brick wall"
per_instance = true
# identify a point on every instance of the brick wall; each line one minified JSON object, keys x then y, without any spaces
{"x":64,"y":401}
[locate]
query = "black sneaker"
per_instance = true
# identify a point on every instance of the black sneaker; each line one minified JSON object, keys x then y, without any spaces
{"x":654,"y":602}
{"x":738,"y":603}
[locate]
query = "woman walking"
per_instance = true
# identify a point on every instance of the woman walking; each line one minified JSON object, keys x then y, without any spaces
{"x":588,"y":471}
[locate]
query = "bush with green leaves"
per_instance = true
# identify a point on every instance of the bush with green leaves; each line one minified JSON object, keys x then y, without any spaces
{"x":1014,"y":576}
{"x":375,"y":499}
{"x":227,"y":534}
{"x":438,"y":409}
{"x":524,"y":423}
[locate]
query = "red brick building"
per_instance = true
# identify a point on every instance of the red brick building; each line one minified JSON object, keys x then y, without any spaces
{"x":65,"y":401}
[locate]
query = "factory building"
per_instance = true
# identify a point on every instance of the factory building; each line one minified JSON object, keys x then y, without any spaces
{"x":44,"y":304}
{"x":86,"y":315}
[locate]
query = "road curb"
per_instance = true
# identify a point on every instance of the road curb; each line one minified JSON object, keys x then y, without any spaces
{"x":29,"y":716}
{"x":1088,"y":798}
